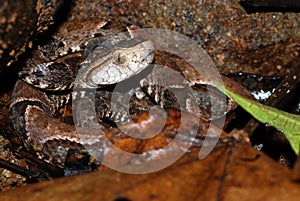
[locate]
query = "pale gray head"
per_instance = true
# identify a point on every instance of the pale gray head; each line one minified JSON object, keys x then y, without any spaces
{"x":109,"y":63}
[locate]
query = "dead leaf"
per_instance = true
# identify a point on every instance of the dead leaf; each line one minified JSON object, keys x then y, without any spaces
{"x":236,"y":172}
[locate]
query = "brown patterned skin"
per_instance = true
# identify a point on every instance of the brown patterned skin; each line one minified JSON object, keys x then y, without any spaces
{"x":32,"y":109}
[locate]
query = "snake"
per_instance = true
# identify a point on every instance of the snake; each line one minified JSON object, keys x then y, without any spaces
{"x":53,"y":67}
{"x":48,"y":76}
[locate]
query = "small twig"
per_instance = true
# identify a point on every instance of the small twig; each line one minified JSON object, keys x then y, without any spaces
{"x":279,"y":96}
{"x":254,"y":6}
{"x":273,"y":3}
{"x":30,"y":175}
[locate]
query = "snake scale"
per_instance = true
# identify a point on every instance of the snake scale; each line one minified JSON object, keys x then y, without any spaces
{"x":49,"y":75}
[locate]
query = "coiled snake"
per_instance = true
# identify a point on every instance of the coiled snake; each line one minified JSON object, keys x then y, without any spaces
{"x":54,"y":66}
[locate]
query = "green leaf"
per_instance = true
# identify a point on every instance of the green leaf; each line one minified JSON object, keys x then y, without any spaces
{"x":286,"y":122}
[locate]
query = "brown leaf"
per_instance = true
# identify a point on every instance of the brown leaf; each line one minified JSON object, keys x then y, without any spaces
{"x":236,"y":172}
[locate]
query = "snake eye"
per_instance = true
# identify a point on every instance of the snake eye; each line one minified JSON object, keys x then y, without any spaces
{"x":119,"y":58}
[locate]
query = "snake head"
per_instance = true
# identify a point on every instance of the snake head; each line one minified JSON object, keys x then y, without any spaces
{"x":115,"y":63}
